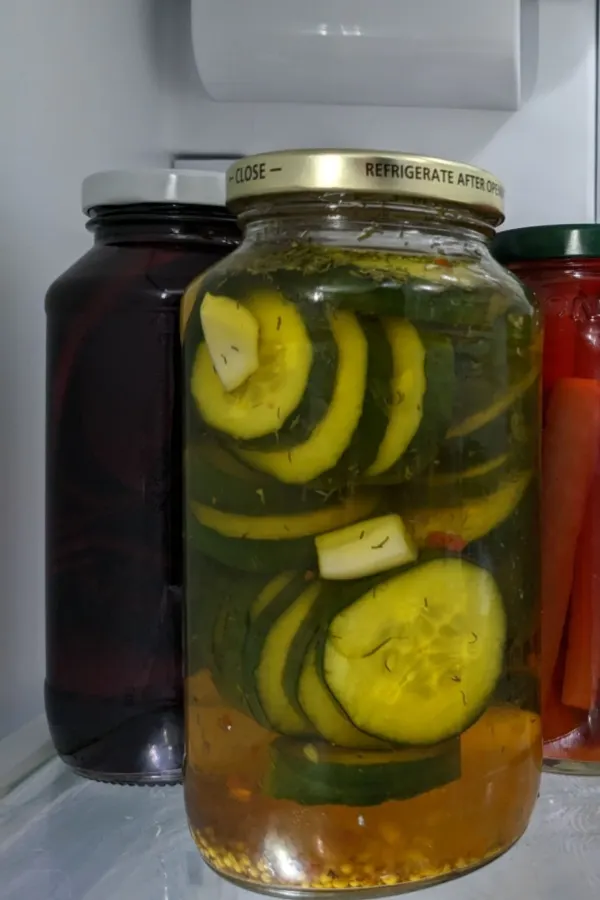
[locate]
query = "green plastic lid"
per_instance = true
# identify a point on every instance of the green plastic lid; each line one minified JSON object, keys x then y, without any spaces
{"x":546,"y":242}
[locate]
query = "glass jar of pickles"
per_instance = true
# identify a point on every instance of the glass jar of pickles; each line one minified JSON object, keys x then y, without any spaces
{"x":361,"y":388}
{"x":561,"y":264}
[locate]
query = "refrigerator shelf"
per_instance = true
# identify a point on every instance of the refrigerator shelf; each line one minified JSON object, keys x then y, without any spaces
{"x":64,"y":838}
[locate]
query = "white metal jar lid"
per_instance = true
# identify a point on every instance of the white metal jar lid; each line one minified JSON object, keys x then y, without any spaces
{"x":122,"y":187}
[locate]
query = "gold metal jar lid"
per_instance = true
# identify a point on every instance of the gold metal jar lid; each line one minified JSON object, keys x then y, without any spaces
{"x":365,"y":172}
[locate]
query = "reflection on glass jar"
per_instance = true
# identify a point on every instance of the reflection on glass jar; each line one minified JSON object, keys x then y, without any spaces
{"x":361,"y":392}
{"x":561,"y":264}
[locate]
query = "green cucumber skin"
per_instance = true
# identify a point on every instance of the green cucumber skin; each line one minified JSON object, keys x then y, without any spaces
{"x":510,"y":432}
{"x":295,"y":778}
{"x":517,"y":573}
{"x":297,"y":654}
{"x":229,"y":640}
{"x":354,"y":289}
{"x":319,"y":647}
{"x":373,"y":421}
{"x":199,"y":615}
{"x":423,"y":492}
{"x":255,"y":638}
{"x":255,"y":494}
{"x":252,"y":555}
{"x":437,"y":413}
{"x":482,"y":369}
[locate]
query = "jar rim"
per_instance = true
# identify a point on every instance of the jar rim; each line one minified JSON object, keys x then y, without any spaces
{"x":397,"y":175}
{"x":537,"y":243}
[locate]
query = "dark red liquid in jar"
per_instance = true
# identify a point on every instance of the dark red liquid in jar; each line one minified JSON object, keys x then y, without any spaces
{"x":114,"y":518}
{"x":568,"y":291}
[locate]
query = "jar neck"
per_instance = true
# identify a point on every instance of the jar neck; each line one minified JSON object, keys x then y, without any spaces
{"x":160,"y":223}
{"x":368,"y":223}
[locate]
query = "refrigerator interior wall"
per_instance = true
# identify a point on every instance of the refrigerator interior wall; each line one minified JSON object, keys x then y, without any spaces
{"x":89,"y":85}
{"x":79,"y":91}
{"x":545,"y":152}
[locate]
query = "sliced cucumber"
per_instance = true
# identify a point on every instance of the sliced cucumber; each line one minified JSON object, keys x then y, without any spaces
{"x":451,"y":293}
{"x":434,"y":489}
{"x":272,"y":393}
{"x":517,"y":572}
{"x":251,"y":555}
{"x":278,"y":670}
{"x":286,"y":528}
{"x":206,"y":583}
{"x":323,"y":710}
{"x":477,"y":420}
{"x":216,"y":478}
{"x":371,"y":546}
{"x":229,"y":636}
{"x":231,"y":335}
{"x":435,"y":413}
{"x":470,"y":520}
{"x":332,"y":435}
{"x":407,"y":389}
{"x":271,"y":543}
{"x":313,"y":773}
{"x":269,"y":641}
{"x":269,"y":604}
{"x":373,"y":422}
{"x":319,"y":390}
{"x":270,"y":591}
{"x":415,"y":660}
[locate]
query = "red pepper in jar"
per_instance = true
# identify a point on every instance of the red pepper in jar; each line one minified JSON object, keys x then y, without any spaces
{"x":561,"y":264}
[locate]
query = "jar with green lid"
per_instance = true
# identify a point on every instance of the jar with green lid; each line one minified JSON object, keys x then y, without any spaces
{"x":361,"y":469}
{"x":561,"y":264}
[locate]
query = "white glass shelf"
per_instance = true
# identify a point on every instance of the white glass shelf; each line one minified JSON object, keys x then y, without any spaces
{"x":63,"y":838}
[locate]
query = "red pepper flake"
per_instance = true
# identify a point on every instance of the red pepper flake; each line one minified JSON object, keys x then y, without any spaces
{"x":443,"y":261}
{"x":238,"y":789}
{"x":440,"y":540}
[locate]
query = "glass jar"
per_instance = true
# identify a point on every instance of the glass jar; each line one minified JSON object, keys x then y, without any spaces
{"x":361,"y":480}
{"x":114,"y":697}
{"x":561,"y":264}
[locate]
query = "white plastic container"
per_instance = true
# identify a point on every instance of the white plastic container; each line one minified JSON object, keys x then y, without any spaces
{"x":456,"y":53}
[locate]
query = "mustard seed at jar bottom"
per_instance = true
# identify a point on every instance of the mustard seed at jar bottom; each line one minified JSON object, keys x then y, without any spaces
{"x":361,"y":469}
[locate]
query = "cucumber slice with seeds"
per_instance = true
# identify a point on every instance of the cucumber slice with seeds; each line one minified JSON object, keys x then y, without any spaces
{"x":416,"y":660}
